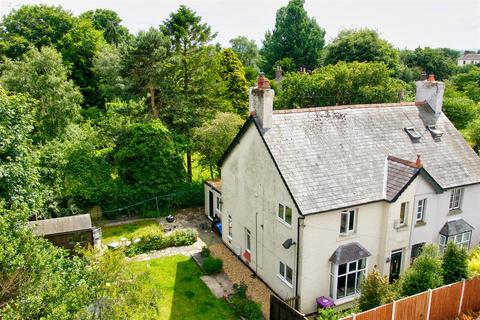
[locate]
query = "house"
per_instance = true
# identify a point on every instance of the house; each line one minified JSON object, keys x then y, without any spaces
{"x":213,"y":199}
{"x":68,"y":232}
{"x":315,"y":198}
{"x":469,"y":58}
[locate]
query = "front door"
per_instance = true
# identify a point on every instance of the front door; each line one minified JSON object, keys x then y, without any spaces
{"x":210,"y":204}
{"x":395,"y":265}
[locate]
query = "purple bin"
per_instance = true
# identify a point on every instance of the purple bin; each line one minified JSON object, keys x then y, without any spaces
{"x":324,"y":302}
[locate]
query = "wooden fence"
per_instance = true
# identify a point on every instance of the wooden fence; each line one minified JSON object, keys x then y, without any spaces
{"x":442,"y":303}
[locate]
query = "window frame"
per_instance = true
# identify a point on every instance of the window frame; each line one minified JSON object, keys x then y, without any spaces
{"x":463,"y":243}
{"x":219,"y":204}
{"x":404,"y":210}
{"x":230,"y":227}
{"x":422,"y":203}
{"x":359,"y":274}
{"x":284,"y":211}
{"x":248,"y":240}
{"x":283,"y":270}
{"x":350,"y":226}
{"x":456,"y":193}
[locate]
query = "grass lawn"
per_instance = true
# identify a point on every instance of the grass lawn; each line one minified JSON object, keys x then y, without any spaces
{"x":128,"y":230}
{"x":184,"y":295}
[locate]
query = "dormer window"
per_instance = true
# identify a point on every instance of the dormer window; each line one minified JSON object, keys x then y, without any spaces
{"x":413,"y":133}
{"x":434,"y":131}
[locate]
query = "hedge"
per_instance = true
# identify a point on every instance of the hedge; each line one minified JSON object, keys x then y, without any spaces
{"x":159,"y":240}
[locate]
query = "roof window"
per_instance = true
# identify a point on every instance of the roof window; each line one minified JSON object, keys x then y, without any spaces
{"x":413,"y":133}
{"x":434,"y":131}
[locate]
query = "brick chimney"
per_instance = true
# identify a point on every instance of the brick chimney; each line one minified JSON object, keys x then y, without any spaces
{"x":431,"y":92}
{"x":261,"y":101}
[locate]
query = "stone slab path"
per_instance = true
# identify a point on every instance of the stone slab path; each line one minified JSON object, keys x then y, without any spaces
{"x":219,"y":284}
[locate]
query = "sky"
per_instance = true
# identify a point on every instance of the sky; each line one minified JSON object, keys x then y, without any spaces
{"x":404,"y":23}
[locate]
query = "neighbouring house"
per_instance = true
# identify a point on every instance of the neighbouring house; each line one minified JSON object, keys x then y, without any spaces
{"x":68,"y":232}
{"x":315,"y":198}
{"x":213,"y":199}
{"x":469,"y":58}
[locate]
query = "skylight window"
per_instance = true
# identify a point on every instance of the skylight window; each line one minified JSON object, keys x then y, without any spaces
{"x":434,"y":131}
{"x":413,"y":133}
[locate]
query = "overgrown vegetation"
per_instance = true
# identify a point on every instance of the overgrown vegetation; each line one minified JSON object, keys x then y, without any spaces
{"x":157,"y":240}
{"x":242,"y":305}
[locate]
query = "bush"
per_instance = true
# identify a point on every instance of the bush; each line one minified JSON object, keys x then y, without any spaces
{"x":455,"y":263}
{"x":374,"y":291}
{"x":212,"y":265}
{"x":157,"y":240}
{"x":242,"y":306}
{"x":205,"y":252}
{"x":474,"y":262}
{"x":335,"y":314}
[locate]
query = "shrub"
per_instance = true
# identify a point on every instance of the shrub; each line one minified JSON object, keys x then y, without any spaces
{"x":474,"y":262}
{"x":205,"y":252}
{"x":375,"y":291}
{"x":212,"y":265}
{"x":156,"y":240}
{"x":335,"y":314}
{"x":455,"y":263}
{"x":242,"y":306}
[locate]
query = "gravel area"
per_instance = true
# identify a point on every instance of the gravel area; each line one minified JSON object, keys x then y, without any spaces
{"x":238,"y":272}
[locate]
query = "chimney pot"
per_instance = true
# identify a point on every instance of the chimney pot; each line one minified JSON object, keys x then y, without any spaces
{"x":431,"y":77}
{"x":423,"y":76}
{"x":262,"y":82}
{"x":418,"y":163}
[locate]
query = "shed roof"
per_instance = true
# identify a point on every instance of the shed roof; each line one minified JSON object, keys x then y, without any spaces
{"x":61,"y":225}
{"x":349,"y":252}
{"x":454,"y":227}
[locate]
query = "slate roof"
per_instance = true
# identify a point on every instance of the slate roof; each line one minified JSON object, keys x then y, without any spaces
{"x":334,"y":157}
{"x":399,"y":174}
{"x":349,"y":252}
{"x":454,"y":227}
{"x":470,"y":56}
{"x":61,"y":225}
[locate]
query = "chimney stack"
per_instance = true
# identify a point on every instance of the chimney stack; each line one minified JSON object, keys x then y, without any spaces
{"x":431,"y":92}
{"x":261,"y":101}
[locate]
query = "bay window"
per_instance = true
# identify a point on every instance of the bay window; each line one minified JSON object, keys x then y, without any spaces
{"x":345,"y":278}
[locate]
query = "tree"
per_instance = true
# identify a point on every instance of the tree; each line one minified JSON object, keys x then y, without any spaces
{"x":295,"y":36}
{"x":246,"y":50}
{"x":42,"y":76}
{"x":233,"y":74}
{"x":18,"y":168}
{"x":212,"y":139}
{"x":473,"y":132}
{"x":431,"y":61}
{"x":198,"y":88}
{"x":455,"y":263}
{"x":144,"y":63}
{"x":375,"y":291}
{"x":460,"y":110}
{"x":468,"y":82}
{"x":340,"y":84}
{"x":425,"y":273}
{"x":107,"y":68}
{"x":108,"y":22}
{"x":474,"y":262}
{"x":363,"y":45}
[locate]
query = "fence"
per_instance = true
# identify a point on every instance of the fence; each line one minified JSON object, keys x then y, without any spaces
{"x":442,"y":303}
{"x":280,"y":310}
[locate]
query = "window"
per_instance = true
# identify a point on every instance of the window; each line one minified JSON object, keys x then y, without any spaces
{"x":286,"y":273}
{"x":79,"y":238}
{"x":416,"y":250}
{"x":403,"y":213}
{"x":347,"y":221}
{"x":219,"y":204}
{"x":456,"y":198}
{"x":230,"y":227}
{"x":421,"y":210}
{"x":248,"y":241}
{"x":345,"y":278}
{"x":461,"y":239}
{"x":285,"y":214}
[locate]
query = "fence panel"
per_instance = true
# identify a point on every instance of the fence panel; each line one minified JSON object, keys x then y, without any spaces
{"x":414,"y":307}
{"x":445,"y":302}
{"x":471,"y":295}
{"x":381,"y":313}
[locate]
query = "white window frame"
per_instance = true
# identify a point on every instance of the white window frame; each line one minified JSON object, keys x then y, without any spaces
{"x":456,"y":197}
{"x":219,"y":204}
{"x":405,"y":214}
{"x":420,"y":214}
{"x":283,"y":270}
{"x":248,"y":240}
{"x":461,"y":239}
{"x":350,"y":227}
{"x":282,"y":214}
{"x":230,"y":227}
{"x":359,"y":274}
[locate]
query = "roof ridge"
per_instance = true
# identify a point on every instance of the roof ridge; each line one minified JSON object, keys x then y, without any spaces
{"x":405,"y":162}
{"x":346,"y":106}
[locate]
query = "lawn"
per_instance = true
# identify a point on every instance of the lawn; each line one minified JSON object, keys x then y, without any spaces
{"x":184,"y":295}
{"x":128,"y":230}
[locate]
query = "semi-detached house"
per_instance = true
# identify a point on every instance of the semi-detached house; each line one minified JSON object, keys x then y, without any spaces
{"x":313,"y":199}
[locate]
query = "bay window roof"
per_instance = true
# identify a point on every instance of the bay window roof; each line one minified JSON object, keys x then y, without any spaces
{"x":455,"y":227}
{"x":349,"y":252}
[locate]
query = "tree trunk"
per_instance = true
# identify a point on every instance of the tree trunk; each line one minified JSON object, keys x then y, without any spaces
{"x":155,"y":111}
{"x":211,"y":172}
{"x":189,"y":165}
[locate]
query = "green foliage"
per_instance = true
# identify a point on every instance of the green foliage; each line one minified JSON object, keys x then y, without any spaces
{"x":243,"y":306}
{"x":295,"y":36}
{"x":212,"y":265}
{"x":232,"y":74}
{"x":375,"y":291}
{"x":468,"y":81}
{"x":431,"y":61}
{"x":473,"y":132}
{"x":340,"y":84}
{"x":41,"y":75}
{"x":455,"y":263}
{"x":212,"y":139}
{"x":246,"y":50}
{"x":460,"y":109}
{"x":108,"y":22}
{"x":363,"y":45}
{"x":205,"y":252}
{"x":157,"y":240}
{"x":107,"y":69}
{"x":425,"y":273}
{"x":474,"y":262}
{"x":18,"y":167}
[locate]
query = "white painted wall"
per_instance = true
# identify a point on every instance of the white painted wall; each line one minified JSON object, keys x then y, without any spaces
{"x":251,"y":191}
{"x":463,"y":62}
